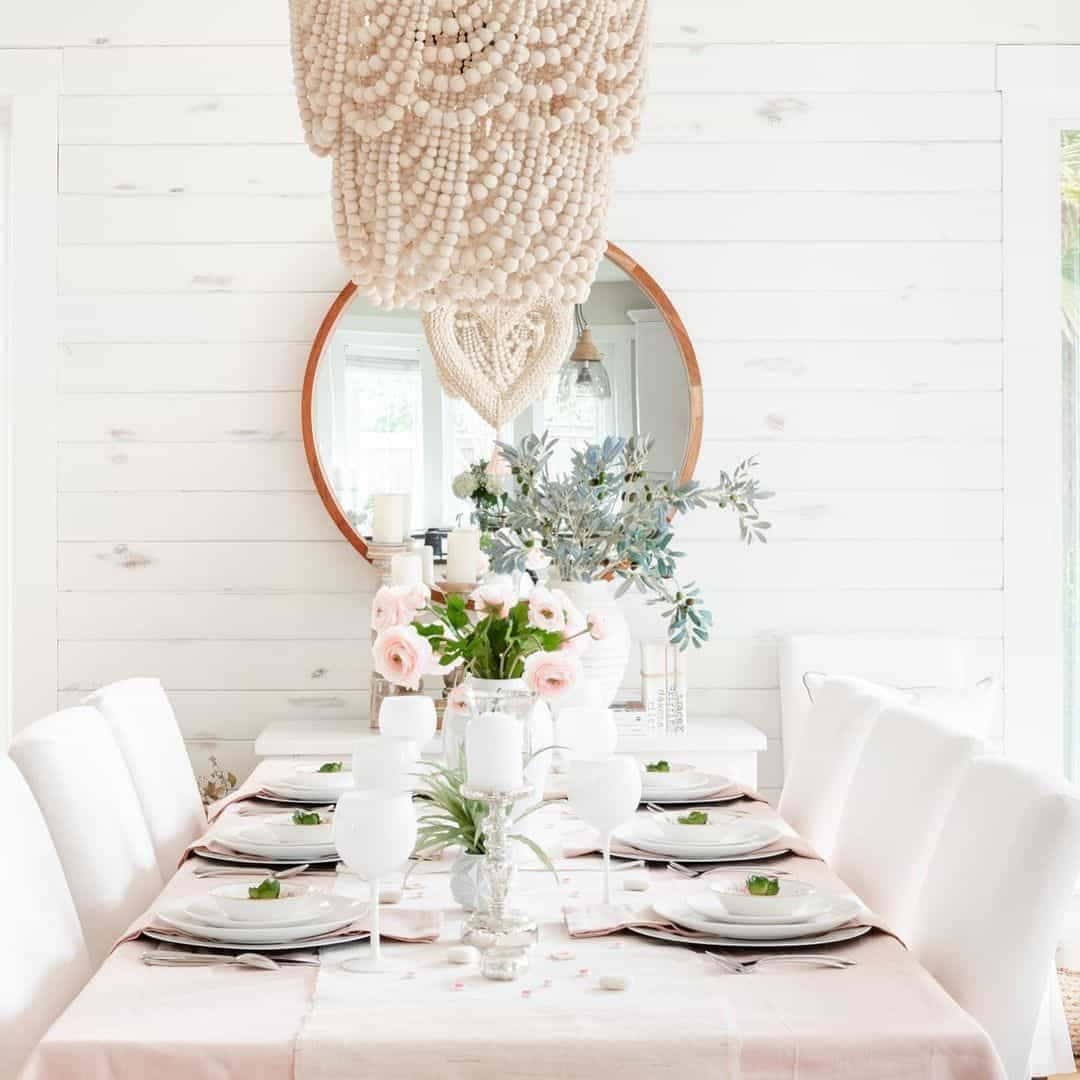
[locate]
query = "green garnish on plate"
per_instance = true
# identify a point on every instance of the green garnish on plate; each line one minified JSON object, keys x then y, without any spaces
{"x":302,"y":817}
{"x":268,"y":889}
{"x":762,"y":885}
{"x":695,"y":817}
{"x":658,"y":766}
{"x":330,"y":766}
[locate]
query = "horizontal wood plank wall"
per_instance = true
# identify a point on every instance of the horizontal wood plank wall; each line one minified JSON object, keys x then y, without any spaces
{"x":825,"y":216}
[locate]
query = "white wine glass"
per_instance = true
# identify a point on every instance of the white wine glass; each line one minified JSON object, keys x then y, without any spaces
{"x":604,"y":792}
{"x":409,"y":715}
{"x":385,"y":761}
{"x":375,"y":833}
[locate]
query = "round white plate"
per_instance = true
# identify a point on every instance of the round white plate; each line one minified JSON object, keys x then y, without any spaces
{"x":342,"y":912}
{"x":702,"y":782}
{"x":639,"y":835}
{"x":831,"y":938}
{"x":205,"y":912}
{"x":708,"y":860}
{"x":682,"y":915}
{"x":709,"y":906}
{"x":254,"y":839}
{"x":284,"y":946}
{"x":292,"y":800}
{"x":285,"y":790}
{"x":232,"y":857}
{"x":710,"y":796}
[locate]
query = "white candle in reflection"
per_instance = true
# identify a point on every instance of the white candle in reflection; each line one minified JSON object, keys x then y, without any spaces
{"x":427,"y":557}
{"x":388,"y":520}
{"x":407,"y":569}
{"x":462,"y":556}
{"x":493,"y":752}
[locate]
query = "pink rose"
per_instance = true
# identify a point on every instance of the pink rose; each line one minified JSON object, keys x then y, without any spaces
{"x":545,"y":611}
{"x":396,"y":605}
{"x":598,"y":627}
{"x":493,"y":600}
{"x":457,"y":702}
{"x":403,"y":656}
{"x":551,"y":675}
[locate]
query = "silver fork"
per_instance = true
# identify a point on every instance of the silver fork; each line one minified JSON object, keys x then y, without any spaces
{"x":696,"y":872}
{"x":248,"y":960}
{"x":745,"y":967}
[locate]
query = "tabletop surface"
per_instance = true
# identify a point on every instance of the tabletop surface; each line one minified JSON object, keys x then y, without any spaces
{"x":683,"y":1016}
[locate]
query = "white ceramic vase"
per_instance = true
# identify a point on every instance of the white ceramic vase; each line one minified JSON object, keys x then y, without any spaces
{"x":604,"y":661}
{"x":467,"y":885}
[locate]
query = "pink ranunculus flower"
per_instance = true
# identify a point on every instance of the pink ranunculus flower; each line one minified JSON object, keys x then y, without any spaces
{"x":597,"y":624}
{"x":545,"y":611}
{"x":552,"y":674}
{"x":387,"y":610}
{"x":494,"y":600}
{"x":457,"y":701}
{"x":536,"y":560}
{"x":403,"y":656}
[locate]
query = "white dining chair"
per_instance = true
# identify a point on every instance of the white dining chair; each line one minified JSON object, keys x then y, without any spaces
{"x":43,"y":957}
{"x":817,"y":780}
{"x":988,"y":916}
{"x":893,"y":660}
{"x":144,"y":725}
{"x":901,"y":789}
{"x":77,"y":773}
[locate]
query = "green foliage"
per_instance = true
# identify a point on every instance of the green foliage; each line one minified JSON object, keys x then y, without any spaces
{"x":762,"y":885}
{"x":695,"y":817}
{"x":610,"y":517}
{"x":330,"y":766}
{"x":267,"y":889}
{"x":302,"y":817}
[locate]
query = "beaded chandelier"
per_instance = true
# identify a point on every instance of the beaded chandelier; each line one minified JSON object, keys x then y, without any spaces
{"x":472,"y":146}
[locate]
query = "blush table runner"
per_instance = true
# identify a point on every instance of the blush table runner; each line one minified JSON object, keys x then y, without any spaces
{"x":682,"y":1017}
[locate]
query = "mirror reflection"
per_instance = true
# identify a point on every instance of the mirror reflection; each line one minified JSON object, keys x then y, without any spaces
{"x":382,"y":423}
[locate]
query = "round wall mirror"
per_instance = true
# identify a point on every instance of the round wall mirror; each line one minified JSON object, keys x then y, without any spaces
{"x":376,"y":419}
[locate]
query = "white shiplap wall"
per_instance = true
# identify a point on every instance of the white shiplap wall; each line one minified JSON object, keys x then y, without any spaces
{"x":825,"y":216}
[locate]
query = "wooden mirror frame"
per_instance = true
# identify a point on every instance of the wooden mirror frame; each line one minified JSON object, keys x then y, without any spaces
{"x":641,"y":277}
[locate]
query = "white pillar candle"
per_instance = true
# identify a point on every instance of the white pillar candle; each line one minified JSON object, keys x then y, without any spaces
{"x":388,"y":520}
{"x":407,"y":569}
{"x":493,"y":752}
{"x":427,"y":560}
{"x":462,"y":556}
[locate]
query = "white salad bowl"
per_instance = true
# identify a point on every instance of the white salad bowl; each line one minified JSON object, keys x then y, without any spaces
{"x":295,"y":902}
{"x":285,"y":831}
{"x":715,"y":830}
{"x":794,"y":898}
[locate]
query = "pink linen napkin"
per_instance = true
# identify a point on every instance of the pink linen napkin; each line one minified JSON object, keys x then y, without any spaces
{"x":397,"y":924}
{"x":599,"y":920}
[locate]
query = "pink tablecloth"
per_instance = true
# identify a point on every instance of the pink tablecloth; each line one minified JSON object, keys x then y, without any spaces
{"x":683,"y":1017}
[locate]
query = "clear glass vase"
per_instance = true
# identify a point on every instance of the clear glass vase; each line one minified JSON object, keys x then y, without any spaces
{"x":513,"y":698}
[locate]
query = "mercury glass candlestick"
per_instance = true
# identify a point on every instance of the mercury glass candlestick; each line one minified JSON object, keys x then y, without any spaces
{"x":504,"y":935}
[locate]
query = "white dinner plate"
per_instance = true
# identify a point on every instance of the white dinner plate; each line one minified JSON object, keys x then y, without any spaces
{"x":232,"y":857}
{"x":284,"y":946}
{"x":292,"y":800}
{"x":255,"y":839}
{"x":706,"y":797}
{"x":702,"y":782}
{"x":831,"y":938}
{"x":284,"y":790}
{"x":343,"y":911}
{"x":204,"y":911}
{"x":709,"y":906}
{"x":641,"y":835}
{"x":709,"y":860}
{"x":681,"y":914}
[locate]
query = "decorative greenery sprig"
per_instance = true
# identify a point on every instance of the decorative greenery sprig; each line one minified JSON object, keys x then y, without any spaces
{"x":609,"y":517}
{"x":453,"y":820}
{"x":494,"y":647}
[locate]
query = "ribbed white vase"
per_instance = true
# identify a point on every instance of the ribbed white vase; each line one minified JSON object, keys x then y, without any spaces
{"x":604,"y":661}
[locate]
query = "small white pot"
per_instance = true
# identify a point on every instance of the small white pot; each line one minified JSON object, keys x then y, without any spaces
{"x":467,"y":882}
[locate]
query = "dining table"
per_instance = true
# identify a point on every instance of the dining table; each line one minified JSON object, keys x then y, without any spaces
{"x":676,"y":1012}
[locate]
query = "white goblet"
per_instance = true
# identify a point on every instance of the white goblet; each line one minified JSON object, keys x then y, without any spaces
{"x":375,"y":833}
{"x":385,"y":761}
{"x":604,"y":792}
{"x":408,"y":715}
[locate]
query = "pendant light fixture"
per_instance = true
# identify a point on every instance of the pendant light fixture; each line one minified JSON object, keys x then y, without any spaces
{"x":584,"y":375}
{"x":472,"y":144}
